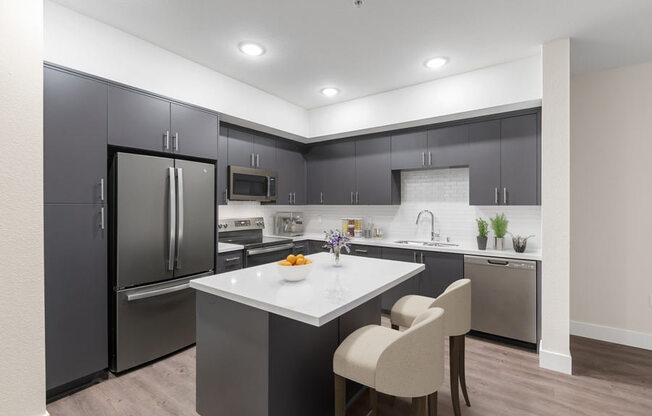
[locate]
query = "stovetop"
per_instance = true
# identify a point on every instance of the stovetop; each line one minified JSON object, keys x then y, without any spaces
{"x":247,"y":232}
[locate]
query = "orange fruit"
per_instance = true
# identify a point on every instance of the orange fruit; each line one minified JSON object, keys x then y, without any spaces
{"x":299,"y":255}
{"x":291,"y":258}
{"x":308,"y":261}
{"x":285,"y":263}
{"x":300,"y":261}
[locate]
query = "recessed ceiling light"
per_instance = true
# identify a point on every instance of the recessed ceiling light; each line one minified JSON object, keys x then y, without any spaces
{"x":251,"y":48}
{"x":436,"y":63}
{"x":330,"y":91}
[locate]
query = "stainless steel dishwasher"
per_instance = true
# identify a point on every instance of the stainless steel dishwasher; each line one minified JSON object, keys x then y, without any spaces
{"x":504,"y":297}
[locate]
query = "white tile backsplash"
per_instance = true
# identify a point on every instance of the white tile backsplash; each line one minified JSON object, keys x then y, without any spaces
{"x":443,"y":191}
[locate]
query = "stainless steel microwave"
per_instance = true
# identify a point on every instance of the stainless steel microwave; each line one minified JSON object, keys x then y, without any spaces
{"x":249,"y":184}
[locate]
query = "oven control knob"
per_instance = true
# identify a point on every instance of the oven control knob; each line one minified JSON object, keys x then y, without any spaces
{"x":219,"y":225}
{"x":225,"y":225}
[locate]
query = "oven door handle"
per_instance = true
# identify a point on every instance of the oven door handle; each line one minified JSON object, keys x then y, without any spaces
{"x":272,"y":249}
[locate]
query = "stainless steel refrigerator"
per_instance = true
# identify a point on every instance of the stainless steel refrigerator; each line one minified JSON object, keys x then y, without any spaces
{"x":162,"y":236}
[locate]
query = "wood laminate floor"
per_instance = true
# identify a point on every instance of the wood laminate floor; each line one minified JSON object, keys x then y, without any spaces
{"x":608,"y":380}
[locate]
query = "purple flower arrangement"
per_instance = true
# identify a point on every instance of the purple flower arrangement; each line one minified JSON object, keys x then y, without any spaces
{"x":336,"y":241}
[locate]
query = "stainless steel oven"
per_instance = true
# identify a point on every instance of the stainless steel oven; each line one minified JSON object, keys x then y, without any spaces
{"x":249,"y":184}
{"x":259,"y":249}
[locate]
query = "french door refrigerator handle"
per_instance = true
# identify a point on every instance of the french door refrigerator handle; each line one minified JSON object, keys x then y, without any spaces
{"x":102,"y":218}
{"x":101,"y":189}
{"x":180,"y":216}
{"x":172,"y":218}
{"x":157,"y":292}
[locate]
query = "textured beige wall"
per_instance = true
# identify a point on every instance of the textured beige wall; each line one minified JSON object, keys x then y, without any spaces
{"x":555,"y":207}
{"x":611,"y":171}
{"x":22,"y":348}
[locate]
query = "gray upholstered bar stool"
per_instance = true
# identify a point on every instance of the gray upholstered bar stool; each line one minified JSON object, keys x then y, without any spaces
{"x":456,"y":301}
{"x":403,"y":364}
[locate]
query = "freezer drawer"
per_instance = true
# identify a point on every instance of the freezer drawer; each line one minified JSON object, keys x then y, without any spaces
{"x":504,"y":300}
{"x":152,"y":321}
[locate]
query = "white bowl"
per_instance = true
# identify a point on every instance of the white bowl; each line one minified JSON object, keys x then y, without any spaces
{"x":295,"y":273}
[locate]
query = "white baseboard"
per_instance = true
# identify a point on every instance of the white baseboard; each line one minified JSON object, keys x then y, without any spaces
{"x":562,"y":363}
{"x":610,"y":334}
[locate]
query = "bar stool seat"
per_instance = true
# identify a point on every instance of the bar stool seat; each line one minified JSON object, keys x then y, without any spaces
{"x":407,"y":308}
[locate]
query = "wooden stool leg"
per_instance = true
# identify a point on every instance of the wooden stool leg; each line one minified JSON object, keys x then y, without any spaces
{"x":373,"y":402}
{"x":453,"y":354}
{"x":340,"y":395}
{"x":432,"y":404}
{"x":460,"y":344}
{"x":395,"y":327}
{"x":419,"y":406}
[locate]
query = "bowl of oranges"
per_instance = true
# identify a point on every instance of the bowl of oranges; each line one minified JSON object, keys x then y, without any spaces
{"x":295,"y":268}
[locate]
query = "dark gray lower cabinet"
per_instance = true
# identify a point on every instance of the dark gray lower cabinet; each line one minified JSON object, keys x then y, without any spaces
{"x":409,"y":287}
{"x":301,"y":247}
{"x":366,"y":251}
{"x":76,"y":328}
{"x":194,"y":132}
{"x":442,"y":269}
{"x":229,"y":261}
{"x":317,"y":247}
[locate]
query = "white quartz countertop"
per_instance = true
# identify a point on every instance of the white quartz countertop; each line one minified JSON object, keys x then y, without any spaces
{"x":461,"y":249}
{"x":327,"y":293}
{"x":226,"y":247}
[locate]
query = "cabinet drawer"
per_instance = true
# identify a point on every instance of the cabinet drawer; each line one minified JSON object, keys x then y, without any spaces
{"x":301,"y":247}
{"x":317,"y":247}
{"x":230,"y":261}
{"x":366,"y":251}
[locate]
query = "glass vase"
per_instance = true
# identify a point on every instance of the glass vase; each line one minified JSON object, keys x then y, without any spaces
{"x":336,"y":257}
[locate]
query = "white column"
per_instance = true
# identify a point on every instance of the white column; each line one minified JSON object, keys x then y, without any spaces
{"x":554,"y":351}
{"x":22,"y":345}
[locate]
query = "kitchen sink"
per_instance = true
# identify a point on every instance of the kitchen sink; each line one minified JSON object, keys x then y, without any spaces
{"x":425,"y":243}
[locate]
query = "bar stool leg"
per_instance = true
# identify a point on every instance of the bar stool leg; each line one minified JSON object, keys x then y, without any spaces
{"x":454,"y":359}
{"x":395,"y":327}
{"x":340,"y":395}
{"x":432,"y":404}
{"x":419,"y":406}
{"x":461,"y":347}
{"x":373,"y":402}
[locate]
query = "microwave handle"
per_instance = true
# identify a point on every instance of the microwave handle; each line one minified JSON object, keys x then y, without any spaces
{"x":269,"y":186}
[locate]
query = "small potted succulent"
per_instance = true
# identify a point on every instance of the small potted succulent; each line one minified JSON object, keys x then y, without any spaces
{"x":483,"y":232}
{"x":499,"y":225}
{"x":335,"y":242}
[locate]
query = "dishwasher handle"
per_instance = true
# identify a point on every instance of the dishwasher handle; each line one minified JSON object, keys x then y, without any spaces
{"x":498,"y":262}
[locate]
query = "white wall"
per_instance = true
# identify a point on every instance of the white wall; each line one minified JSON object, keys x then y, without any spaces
{"x":443,"y":191}
{"x":88,"y":45}
{"x":499,"y":88}
{"x":554,"y":352}
{"x":22,"y":345}
{"x":611,"y":182}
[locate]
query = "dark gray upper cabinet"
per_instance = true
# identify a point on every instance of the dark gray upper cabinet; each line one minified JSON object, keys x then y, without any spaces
{"x":241,"y":148}
{"x":331,"y":173}
{"x":139,"y":121}
{"x":264,"y":152}
{"x":74,"y":138}
{"x":448,"y":147}
{"x":409,"y":287}
{"x":374,"y":179}
{"x":76,"y":328}
{"x":222,"y":165}
{"x":194,"y":132}
{"x":519,"y":160}
{"x":409,"y":150}
{"x":291,"y":174}
{"x":442,"y":269}
{"x":484,"y":171}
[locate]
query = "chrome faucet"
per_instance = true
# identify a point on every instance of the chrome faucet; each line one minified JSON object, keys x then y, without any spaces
{"x":432,"y":223}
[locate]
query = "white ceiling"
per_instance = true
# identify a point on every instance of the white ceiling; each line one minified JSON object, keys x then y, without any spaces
{"x":380,"y":46}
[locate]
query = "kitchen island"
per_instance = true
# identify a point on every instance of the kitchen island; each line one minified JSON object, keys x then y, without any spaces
{"x":265,"y":346}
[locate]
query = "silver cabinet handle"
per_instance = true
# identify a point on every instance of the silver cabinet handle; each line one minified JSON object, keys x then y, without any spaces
{"x":225,"y":196}
{"x":251,"y":161}
{"x":176,"y":141}
{"x":180,"y":220}
{"x":289,"y":198}
{"x":166,"y":140}
{"x":430,"y":158}
{"x":321,"y":197}
{"x":158,"y":292}
{"x":505,"y":196}
{"x":271,"y":249}
{"x":496,"y":196}
{"x":102,"y":218}
{"x":102,"y":189}
{"x":294,"y":198}
{"x":357,"y":198}
{"x":351,"y":198}
{"x":257,"y":160}
{"x":414,"y":255}
{"x":358,"y":250}
{"x":231,"y":259}
{"x":423,"y":158}
{"x":422,"y":257}
{"x":172,"y":218}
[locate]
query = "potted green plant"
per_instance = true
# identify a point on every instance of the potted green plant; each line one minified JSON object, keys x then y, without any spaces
{"x":483,"y":232}
{"x":499,"y":225}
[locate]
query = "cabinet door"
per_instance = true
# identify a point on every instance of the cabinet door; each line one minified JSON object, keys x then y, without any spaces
{"x":448,"y":146}
{"x":75,"y":293}
{"x":366,"y":251}
{"x":265,"y":152}
{"x":227,"y":262}
{"x":409,"y":150}
{"x":373,"y":171}
{"x":222,"y":165}
{"x":139,"y":121}
{"x":291,"y":173}
{"x":74,"y":138}
{"x":338,"y":183}
{"x":241,"y":148}
{"x":442,"y":269}
{"x":409,"y":287}
{"x":193,"y":132}
{"x":317,"y":247}
{"x":519,"y":160}
{"x":484,"y":166}
{"x":301,"y":247}
{"x":316,"y":174}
